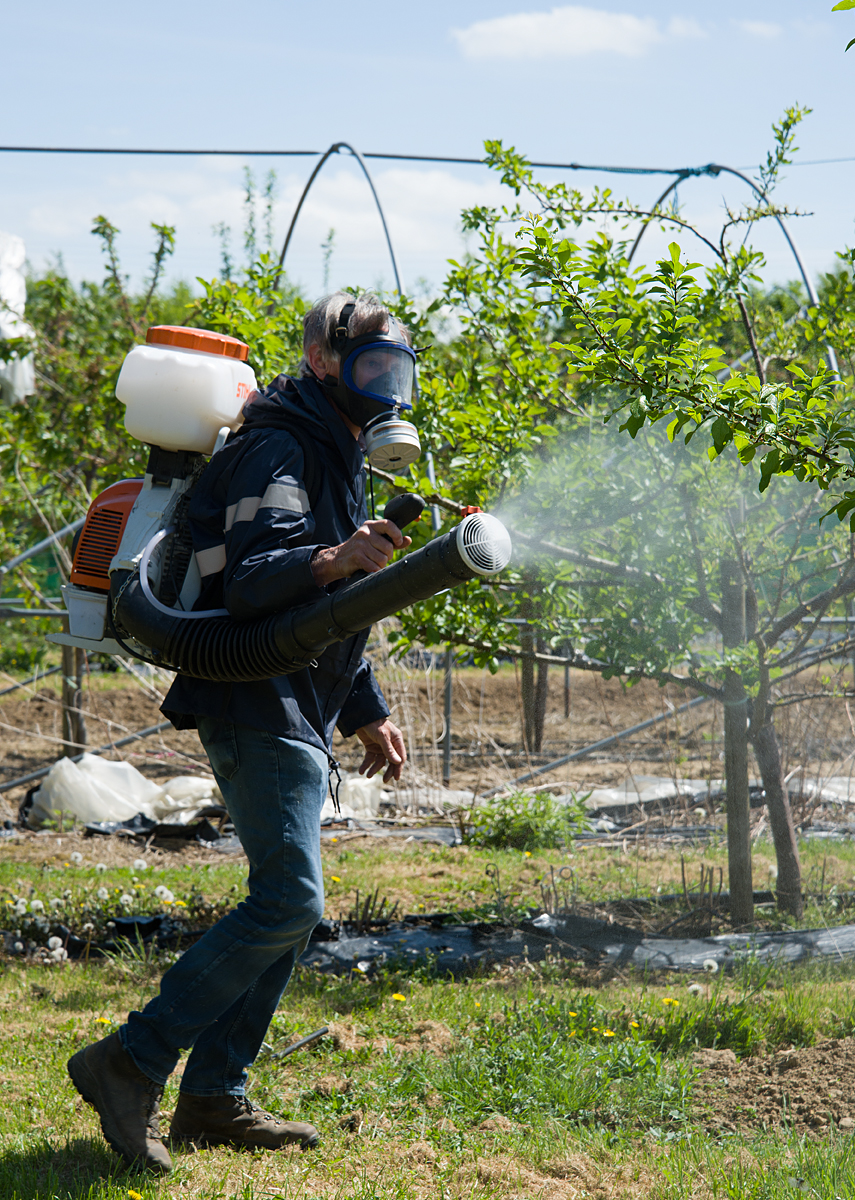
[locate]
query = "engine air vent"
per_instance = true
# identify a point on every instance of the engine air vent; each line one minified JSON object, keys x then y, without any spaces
{"x":102,"y":534}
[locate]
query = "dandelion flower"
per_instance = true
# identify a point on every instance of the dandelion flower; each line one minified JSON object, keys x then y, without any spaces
{"x":399,"y":997}
{"x":477,"y":1003}
{"x":180,"y":904}
{"x":76,"y":857}
{"x":101,"y":868}
{"x":527,"y":853}
{"x":134,"y":1195}
{"x":335,"y":878}
{"x":572,"y":1032}
{"x":54,"y":943}
{"x":103,"y":1021}
{"x":572,"y":1014}
{"x":102,"y":894}
{"x":608,"y":1033}
{"x":140,"y":864}
{"x":670,"y":1000}
{"x":634,"y":1024}
{"x":710,"y":965}
{"x":333,"y":839}
{"x":595,"y":1029}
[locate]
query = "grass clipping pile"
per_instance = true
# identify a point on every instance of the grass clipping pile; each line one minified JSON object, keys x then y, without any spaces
{"x":808,"y":1091}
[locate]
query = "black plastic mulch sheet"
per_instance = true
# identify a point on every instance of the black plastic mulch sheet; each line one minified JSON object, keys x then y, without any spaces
{"x":460,"y":948}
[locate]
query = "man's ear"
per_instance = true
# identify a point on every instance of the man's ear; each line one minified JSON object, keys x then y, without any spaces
{"x":319,"y":364}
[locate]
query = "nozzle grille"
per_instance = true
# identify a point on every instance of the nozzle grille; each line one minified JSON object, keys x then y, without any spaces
{"x":484,"y":543}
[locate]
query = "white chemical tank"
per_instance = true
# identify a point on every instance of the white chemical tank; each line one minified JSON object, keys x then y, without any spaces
{"x":183,"y":386}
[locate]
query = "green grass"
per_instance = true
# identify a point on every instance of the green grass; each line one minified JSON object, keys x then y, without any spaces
{"x":585,"y":1086}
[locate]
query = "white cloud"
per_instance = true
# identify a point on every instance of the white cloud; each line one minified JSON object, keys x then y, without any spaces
{"x":571,"y":31}
{"x":761,"y":29}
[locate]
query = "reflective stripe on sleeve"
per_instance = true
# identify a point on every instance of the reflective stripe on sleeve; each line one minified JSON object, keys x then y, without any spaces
{"x":288,"y":497}
{"x":212,"y":560}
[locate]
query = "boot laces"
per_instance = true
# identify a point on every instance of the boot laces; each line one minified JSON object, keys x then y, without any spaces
{"x":252,"y":1110}
{"x":153,"y":1094}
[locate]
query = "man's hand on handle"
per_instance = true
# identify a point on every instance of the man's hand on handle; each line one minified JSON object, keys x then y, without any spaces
{"x":369,"y":549}
{"x":384,"y":747}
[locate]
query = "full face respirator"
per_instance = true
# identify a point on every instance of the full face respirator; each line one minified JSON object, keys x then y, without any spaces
{"x":374,"y":386}
{"x":135,"y":579}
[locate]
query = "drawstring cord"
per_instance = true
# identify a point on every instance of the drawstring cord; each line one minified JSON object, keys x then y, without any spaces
{"x":371,"y":488}
{"x":334,"y":770}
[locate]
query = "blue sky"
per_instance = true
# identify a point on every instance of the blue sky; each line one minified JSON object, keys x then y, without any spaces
{"x":637,"y":82}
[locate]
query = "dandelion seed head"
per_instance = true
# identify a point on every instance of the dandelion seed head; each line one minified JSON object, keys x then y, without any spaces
{"x":140,"y":864}
{"x":54,"y":943}
{"x":55,"y":902}
{"x":36,"y":906}
{"x":695,"y":989}
{"x":101,"y":867}
{"x":18,"y":947}
{"x":125,"y":900}
{"x":710,"y":965}
{"x":76,"y":857}
{"x":102,"y":894}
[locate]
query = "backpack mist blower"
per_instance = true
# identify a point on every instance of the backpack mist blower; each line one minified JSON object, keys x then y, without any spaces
{"x":134,"y":577}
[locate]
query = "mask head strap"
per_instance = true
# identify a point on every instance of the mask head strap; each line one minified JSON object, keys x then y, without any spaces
{"x":339,"y":332}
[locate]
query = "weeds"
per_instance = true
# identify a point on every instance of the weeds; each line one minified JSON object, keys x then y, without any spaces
{"x":522,"y":821}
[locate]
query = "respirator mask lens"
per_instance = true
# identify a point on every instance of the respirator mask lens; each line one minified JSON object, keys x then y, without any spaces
{"x":383,"y":372}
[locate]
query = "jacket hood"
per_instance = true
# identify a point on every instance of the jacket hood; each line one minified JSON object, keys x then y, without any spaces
{"x":288,"y":401}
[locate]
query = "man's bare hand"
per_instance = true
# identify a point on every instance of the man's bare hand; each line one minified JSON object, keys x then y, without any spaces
{"x":384,"y":747}
{"x":369,"y":549}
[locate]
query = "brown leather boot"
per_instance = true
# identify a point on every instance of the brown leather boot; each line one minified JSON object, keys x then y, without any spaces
{"x":125,"y":1099}
{"x":235,"y":1121}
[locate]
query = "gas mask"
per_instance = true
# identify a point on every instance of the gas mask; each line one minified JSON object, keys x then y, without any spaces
{"x":374,"y":387}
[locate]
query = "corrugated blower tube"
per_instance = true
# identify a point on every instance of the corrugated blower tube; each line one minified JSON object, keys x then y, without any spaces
{"x":223,"y":650}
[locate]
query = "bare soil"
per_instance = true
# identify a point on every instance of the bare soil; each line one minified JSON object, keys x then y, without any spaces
{"x":809,"y":1090}
{"x":486,"y":723}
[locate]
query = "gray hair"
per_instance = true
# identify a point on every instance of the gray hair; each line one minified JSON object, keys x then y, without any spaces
{"x":320,"y":322}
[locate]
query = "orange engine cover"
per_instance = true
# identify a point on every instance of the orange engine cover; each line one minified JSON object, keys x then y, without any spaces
{"x":101,"y":535}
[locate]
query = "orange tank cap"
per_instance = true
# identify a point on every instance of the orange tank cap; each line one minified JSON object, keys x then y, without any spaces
{"x":197,"y":339}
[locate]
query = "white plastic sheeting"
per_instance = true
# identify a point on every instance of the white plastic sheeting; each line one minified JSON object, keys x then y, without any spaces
{"x":18,"y":376}
{"x":94,"y":789}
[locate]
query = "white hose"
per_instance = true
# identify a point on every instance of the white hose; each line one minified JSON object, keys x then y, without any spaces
{"x":149,"y":594}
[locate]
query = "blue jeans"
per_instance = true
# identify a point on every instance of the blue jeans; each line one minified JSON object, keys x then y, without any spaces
{"x":221,"y":994}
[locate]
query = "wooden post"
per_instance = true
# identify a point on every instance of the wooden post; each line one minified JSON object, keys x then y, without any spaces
{"x":567,"y":685}
{"x":73,"y":722}
{"x":447,"y":699}
{"x":736,"y":750}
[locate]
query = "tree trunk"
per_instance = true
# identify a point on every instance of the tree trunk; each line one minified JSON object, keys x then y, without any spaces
{"x":447,"y":697}
{"x":541,"y":694}
{"x":736,"y":751}
{"x":73,"y":723}
{"x":527,"y":688}
{"x":789,"y":886}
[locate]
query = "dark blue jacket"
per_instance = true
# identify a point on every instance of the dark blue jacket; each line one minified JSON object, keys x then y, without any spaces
{"x":254,"y":533}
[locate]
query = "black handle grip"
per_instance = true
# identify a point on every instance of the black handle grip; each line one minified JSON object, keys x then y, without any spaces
{"x":404,"y":509}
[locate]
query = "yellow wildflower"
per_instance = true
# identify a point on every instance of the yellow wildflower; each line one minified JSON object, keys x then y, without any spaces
{"x":335,"y":878}
{"x":134,"y":1195}
{"x":103,"y":1021}
{"x":608,"y":1033}
{"x":399,"y":997}
{"x":634,"y":1024}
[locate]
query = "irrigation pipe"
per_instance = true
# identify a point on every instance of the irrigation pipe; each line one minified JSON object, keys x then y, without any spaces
{"x":33,"y":679}
{"x":133,"y":737}
{"x":600,"y":745}
{"x":42,"y":545}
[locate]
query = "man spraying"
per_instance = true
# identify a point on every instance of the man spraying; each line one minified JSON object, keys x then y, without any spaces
{"x":278,"y":519}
